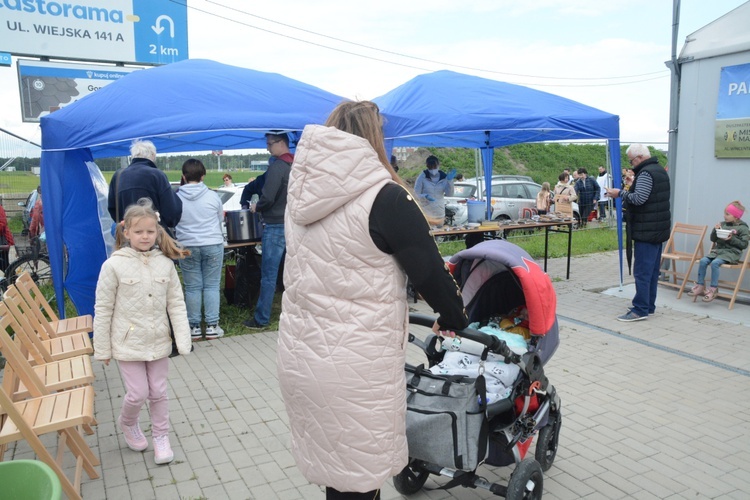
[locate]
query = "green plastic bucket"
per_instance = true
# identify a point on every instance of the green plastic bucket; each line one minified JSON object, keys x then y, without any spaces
{"x":29,"y":480}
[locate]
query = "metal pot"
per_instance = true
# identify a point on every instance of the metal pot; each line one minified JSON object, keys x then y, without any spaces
{"x":243,"y":225}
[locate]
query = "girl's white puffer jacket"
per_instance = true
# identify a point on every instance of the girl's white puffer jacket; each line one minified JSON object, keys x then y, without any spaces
{"x":137,"y":294}
{"x":343,"y":326}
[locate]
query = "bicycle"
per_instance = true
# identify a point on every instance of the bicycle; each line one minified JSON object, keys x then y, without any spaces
{"x":32,"y":259}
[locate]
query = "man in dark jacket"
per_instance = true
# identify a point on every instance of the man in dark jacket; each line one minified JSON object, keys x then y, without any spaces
{"x":649,"y":221}
{"x":141,"y":179}
{"x":255,"y":186}
{"x":588,"y":194}
{"x":272,"y":204}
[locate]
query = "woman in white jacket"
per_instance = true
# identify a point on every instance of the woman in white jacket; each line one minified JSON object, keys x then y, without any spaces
{"x":431,"y":188}
{"x":353,"y":234}
{"x":137,"y":296}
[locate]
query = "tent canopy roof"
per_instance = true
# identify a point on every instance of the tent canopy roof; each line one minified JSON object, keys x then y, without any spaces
{"x":192,"y":105}
{"x":446,"y":108}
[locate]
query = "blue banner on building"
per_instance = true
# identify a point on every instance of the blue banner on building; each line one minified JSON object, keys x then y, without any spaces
{"x":732,"y":131}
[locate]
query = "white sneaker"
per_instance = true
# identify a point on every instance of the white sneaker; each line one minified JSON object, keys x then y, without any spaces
{"x":214,"y":332}
{"x":196,"y":333}
{"x":134,"y":437}
{"x":162,"y":450}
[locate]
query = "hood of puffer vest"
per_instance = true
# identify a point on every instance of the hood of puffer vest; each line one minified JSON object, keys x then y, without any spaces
{"x":331,"y":168}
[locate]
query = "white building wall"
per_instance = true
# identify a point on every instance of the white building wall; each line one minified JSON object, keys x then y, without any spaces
{"x":703,"y":184}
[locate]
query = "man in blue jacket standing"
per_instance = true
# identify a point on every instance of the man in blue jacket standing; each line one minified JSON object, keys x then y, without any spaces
{"x":142,"y":179}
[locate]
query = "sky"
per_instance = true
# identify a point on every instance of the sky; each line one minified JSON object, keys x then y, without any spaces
{"x":609,"y":55}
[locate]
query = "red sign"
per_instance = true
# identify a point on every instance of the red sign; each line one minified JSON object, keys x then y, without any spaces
{"x":217,"y":153}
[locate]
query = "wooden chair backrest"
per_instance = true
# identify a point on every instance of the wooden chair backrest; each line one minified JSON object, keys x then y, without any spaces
{"x":687,"y":230}
{"x":31,"y":293}
{"x":33,"y":315}
{"x":25,"y":331}
{"x":20,"y":366}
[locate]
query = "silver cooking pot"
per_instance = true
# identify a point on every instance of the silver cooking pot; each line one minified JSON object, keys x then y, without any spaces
{"x":243,"y":225}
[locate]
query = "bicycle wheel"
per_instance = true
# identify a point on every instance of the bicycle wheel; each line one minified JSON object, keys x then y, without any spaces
{"x":39,"y":269}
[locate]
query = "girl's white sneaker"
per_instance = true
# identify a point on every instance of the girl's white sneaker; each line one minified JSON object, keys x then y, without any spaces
{"x":162,"y":450}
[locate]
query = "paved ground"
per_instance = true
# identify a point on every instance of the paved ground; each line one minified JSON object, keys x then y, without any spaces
{"x":652,"y":409}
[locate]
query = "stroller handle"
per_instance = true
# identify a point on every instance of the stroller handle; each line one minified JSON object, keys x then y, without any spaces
{"x":493,"y":343}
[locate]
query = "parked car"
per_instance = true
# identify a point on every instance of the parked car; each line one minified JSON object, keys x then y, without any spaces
{"x":230,"y":196}
{"x":508,"y":197}
{"x":457,"y":203}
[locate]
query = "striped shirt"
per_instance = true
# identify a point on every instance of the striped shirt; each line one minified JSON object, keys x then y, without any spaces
{"x":642,"y":190}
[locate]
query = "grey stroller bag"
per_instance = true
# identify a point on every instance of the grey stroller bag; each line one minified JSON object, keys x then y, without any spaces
{"x":446,"y":421}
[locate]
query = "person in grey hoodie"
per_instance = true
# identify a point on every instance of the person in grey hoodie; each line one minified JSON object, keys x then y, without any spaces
{"x":199,"y":230}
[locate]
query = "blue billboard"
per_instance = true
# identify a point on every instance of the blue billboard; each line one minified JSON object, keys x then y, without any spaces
{"x":732,"y":130}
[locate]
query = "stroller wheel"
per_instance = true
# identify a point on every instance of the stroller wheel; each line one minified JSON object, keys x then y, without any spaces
{"x":410,"y":480}
{"x":526,"y":482}
{"x":546,"y":445}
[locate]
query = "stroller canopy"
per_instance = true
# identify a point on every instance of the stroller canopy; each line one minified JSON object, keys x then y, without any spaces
{"x":475,"y":266}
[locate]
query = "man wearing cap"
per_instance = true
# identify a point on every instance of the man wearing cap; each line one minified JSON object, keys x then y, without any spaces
{"x":272,"y":204}
{"x":648,"y":224}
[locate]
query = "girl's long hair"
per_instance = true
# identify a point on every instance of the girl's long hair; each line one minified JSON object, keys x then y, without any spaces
{"x":145,"y":208}
{"x":362,"y":118}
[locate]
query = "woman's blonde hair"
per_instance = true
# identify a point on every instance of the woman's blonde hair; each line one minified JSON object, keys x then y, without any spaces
{"x":545,"y":186}
{"x":362,"y":118}
{"x":145,"y":208}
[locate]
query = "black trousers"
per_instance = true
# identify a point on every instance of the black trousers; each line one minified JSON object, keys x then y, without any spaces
{"x":333,"y":494}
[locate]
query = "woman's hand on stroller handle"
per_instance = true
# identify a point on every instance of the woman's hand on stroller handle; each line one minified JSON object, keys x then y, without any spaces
{"x":443,"y":333}
{"x":495,"y":344}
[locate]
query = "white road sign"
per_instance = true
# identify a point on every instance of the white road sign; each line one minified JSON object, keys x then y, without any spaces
{"x":127,"y":31}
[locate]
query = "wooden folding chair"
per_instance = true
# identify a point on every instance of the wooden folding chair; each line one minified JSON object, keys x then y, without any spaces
{"x":46,"y":314}
{"x":685,"y":236}
{"x":43,"y":349}
{"x":733,"y":287}
{"x":59,"y":412}
{"x":44,"y":411}
{"x":54,"y":376}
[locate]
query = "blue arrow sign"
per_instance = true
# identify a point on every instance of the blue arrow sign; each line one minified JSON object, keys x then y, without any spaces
{"x":161,"y":31}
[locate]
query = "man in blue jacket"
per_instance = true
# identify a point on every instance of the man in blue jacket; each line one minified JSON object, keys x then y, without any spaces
{"x":142,"y":179}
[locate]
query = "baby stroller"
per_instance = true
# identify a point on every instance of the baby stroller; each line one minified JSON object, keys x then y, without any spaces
{"x":496,"y":278}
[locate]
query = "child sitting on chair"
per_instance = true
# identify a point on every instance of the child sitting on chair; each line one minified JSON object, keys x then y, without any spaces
{"x":725,"y":250}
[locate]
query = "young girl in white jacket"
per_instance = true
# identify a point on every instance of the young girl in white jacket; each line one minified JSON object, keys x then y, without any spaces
{"x":137,"y":296}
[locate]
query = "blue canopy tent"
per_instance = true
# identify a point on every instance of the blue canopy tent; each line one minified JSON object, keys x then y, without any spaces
{"x":449,"y":109}
{"x":192,"y":105}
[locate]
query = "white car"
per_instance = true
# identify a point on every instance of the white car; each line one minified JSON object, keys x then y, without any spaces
{"x":230,"y":196}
